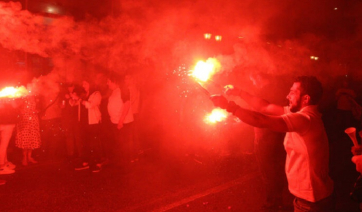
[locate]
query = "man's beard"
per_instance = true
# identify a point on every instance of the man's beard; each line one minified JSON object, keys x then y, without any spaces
{"x":297,"y":107}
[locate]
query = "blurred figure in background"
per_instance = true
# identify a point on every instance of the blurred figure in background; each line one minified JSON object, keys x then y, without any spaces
{"x":121,"y":116}
{"x":105,"y":131}
{"x":134,"y":91}
{"x":70,"y":122}
{"x":50,"y":121}
{"x":28,"y":130}
{"x":90,"y":119}
{"x":345,"y":97}
{"x":268,"y":145}
{"x":9,"y":112}
{"x":356,"y":193}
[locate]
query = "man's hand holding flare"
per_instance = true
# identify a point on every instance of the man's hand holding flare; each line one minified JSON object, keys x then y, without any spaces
{"x":221,"y":102}
{"x":230,"y":90}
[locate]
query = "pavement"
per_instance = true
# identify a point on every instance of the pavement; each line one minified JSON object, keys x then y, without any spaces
{"x":159,"y":182}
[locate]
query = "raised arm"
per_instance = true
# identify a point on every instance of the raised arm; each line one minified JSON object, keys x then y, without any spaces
{"x":258,"y":104}
{"x":253,"y":118}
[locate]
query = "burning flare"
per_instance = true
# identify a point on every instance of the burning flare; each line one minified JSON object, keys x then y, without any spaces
{"x":12,"y":92}
{"x":217,"y":115}
{"x":203,"y":71}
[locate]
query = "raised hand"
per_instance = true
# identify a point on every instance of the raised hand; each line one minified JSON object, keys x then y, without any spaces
{"x":219,"y":101}
{"x":230,"y":90}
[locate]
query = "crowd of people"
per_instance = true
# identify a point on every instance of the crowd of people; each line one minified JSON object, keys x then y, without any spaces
{"x":99,"y":127}
{"x":88,"y":124}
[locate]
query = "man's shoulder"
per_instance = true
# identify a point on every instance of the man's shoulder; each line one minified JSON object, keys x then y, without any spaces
{"x":311,"y":110}
{"x":115,"y":91}
{"x":286,"y":109}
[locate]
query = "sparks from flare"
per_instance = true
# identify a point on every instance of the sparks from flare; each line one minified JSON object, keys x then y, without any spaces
{"x":12,"y":92}
{"x":217,"y":115}
{"x":203,"y":71}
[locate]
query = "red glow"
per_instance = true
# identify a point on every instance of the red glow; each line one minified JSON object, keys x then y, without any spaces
{"x":207,"y":36}
{"x":203,"y":71}
{"x":217,"y":115}
{"x":218,"y":37}
{"x":12,"y":92}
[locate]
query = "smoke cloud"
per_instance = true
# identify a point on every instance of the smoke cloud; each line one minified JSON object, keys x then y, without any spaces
{"x":153,"y":39}
{"x":277,"y":37}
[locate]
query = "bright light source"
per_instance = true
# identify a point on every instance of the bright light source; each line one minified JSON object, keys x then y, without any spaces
{"x":218,"y":37}
{"x":217,"y":115}
{"x":50,"y":10}
{"x":314,"y":57}
{"x":207,"y":36}
{"x":335,"y":8}
{"x":12,"y":92}
{"x":204,"y":70}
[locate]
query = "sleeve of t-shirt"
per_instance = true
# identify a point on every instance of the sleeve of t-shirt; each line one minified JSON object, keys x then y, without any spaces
{"x":296,"y":122}
{"x":125,"y":94}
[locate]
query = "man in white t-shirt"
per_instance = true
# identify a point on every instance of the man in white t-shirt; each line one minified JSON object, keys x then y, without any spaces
{"x":121,"y":116}
{"x":306,"y":142}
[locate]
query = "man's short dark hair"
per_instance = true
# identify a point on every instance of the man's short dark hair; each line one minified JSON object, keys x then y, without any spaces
{"x":114,"y":77}
{"x":79,"y":90}
{"x":311,"y":86}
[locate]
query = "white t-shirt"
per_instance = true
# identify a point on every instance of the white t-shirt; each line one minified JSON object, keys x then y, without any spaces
{"x":115,"y":107}
{"x":307,"y":163}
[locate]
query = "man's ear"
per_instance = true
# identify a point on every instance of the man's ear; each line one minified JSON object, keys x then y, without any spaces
{"x":306,"y":99}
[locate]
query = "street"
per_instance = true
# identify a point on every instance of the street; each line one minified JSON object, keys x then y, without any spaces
{"x":154,"y":183}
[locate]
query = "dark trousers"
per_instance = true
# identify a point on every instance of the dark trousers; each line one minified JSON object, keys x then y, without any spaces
{"x":325,"y":205}
{"x":73,"y":139}
{"x":136,"y":143}
{"x":123,"y":147}
{"x":91,"y":144}
{"x":108,"y":140}
{"x":270,"y":156}
{"x":344,"y":119}
{"x":53,"y":146}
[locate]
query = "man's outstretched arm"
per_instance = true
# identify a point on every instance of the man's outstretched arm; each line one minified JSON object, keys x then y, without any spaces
{"x":253,"y":118}
{"x":259,"y":104}
{"x":256,"y":119}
